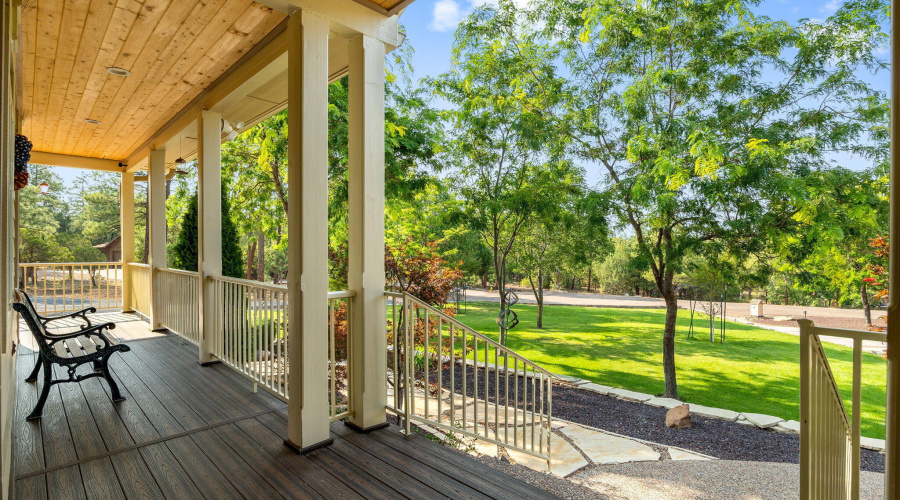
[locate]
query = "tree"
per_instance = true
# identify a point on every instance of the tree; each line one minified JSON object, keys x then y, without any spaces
{"x":185,"y":251}
{"x":98,"y":218}
{"x":503,"y":167}
{"x":669,"y":99}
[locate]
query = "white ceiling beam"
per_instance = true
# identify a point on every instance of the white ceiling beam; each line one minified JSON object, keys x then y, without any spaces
{"x":347,"y":17}
{"x":61,"y":160}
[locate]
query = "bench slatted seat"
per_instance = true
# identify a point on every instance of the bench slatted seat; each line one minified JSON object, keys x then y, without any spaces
{"x":24,"y":298}
{"x":92,"y":344}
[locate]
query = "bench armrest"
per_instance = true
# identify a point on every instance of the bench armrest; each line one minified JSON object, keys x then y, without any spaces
{"x":82,"y":313}
{"x":94,"y":330}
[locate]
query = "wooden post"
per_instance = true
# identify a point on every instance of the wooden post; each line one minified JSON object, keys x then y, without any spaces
{"x":209,"y":227}
{"x":126,"y":211}
{"x":156,"y":221}
{"x":308,"y":231}
{"x":368,"y":342}
{"x":892,"y":418}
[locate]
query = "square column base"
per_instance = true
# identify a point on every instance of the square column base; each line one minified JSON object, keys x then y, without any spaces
{"x":302,"y":451}
{"x":366,"y":430}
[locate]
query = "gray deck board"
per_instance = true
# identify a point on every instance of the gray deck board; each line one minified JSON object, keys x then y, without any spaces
{"x":186,"y":431}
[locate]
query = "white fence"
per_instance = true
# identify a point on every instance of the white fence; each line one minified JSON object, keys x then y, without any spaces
{"x":254,"y":337}
{"x":451,"y":377}
{"x":829,"y":440}
{"x":178,"y":298}
{"x":141,"y":299}
{"x":67,"y":287}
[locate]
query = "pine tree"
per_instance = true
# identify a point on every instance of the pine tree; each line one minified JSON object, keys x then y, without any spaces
{"x":185,"y":247}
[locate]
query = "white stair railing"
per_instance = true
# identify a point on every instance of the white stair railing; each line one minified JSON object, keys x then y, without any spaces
{"x":829,"y":440}
{"x":446,"y":375}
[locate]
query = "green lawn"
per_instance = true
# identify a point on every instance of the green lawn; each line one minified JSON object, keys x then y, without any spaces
{"x":755,"y":370}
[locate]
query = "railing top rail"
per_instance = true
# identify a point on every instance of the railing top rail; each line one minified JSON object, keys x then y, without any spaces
{"x":342,"y":294}
{"x":24,"y":264}
{"x":816,"y":343}
{"x":851,"y":334}
{"x":251,"y":283}
{"x":138,"y":264}
{"x":481,"y":336}
{"x":178,"y":271}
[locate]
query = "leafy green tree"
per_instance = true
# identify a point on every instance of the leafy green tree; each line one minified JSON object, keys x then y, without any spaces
{"x":98,"y":217}
{"x":502,"y":166}
{"x":669,"y":99}
{"x":185,"y":249}
{"x":844,"y":210}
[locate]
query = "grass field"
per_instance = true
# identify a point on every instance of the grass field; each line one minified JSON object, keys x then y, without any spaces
{"x":755,"y":370}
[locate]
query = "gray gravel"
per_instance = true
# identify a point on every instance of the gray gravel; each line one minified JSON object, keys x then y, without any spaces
{"x":563,"y":488}
{"x":717,"y":479}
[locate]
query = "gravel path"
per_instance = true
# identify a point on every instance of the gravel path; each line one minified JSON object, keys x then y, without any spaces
{"x":718,"y":438}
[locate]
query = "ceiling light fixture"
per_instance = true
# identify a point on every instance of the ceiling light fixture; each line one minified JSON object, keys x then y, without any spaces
{"x":180,"y":160}
{"x":92,"y":121}
{"x":115,"y":71}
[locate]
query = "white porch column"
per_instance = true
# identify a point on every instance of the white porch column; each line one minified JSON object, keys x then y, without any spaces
{"x":308,"y":231}
{"x":156,"y":219}
{"x":368,"y":356}
{"x":126,"y":213}
{"x":209,"y":226}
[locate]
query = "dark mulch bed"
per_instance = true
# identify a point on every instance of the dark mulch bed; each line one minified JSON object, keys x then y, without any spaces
{"x":718,"y":438}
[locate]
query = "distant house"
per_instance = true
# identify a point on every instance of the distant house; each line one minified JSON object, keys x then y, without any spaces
{"x":112,"y":249}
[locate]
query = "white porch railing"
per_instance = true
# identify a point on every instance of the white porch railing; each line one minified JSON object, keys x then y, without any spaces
{"x":254,"y":339}
{"x":141,"y":299}
{"x":829,"y":440}
{"x":66,"y":287}
{"x":179,"y":296}
{"x":451,"y":377}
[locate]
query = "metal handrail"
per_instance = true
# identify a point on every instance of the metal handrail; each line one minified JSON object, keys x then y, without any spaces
{"x":829,"y":449}
{"x":525,"y":402}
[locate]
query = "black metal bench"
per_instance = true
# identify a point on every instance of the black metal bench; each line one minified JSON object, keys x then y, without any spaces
{"x":70,"y":350}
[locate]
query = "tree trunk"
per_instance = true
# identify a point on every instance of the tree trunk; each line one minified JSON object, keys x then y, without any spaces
{"x":867,"y":309}
{"x":669,"y":342}
{"x":260,"y":257}
{"x":251,"y":251}
{"x":538,"y":297}
{"x":589,"y":279}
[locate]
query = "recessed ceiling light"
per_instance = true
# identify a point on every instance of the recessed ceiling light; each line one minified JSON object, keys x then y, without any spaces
{"x":92,"y":121}
{"x":118,"y":71}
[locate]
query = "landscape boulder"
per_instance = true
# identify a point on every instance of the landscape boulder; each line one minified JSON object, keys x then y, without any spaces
{"x":678,"y":417}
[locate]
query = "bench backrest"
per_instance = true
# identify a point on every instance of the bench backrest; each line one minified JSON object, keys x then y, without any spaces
{"x":25,"y":308}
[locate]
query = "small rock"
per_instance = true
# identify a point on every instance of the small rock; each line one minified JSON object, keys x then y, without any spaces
{"x":678,"y":417}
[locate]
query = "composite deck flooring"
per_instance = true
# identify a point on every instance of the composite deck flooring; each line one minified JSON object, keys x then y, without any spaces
{"x":187,"y":431}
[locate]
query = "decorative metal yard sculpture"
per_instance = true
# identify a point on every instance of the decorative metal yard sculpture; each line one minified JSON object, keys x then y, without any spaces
{"x":507,"y":319}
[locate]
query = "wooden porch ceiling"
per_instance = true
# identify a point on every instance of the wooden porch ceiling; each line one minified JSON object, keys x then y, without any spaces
{"x":173,"y":49}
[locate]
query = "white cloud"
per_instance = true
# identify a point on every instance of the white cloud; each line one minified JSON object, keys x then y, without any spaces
{"x":446,"y":15}
{"x":831,"y":7}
